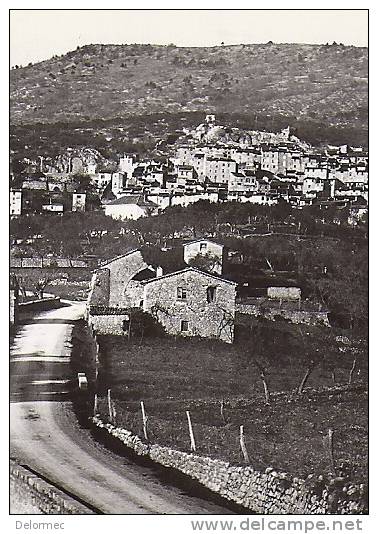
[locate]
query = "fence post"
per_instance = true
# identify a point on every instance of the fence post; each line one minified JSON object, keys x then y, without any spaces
{"x":145,"y":418}
{"x":242,"y":445}
{"x":97,"y":352}
{"x":192,"y":440}
{"x":330,"y":448}
{"x":114,"y":413}
{"x":95,"y":405}
{"x":222,"y":411}
{"x":110,"y":411}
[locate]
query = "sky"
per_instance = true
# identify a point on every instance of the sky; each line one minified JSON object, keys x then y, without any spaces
{"x":39,"y":34}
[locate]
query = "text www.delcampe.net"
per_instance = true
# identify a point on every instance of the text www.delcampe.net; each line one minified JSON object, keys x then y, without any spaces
{"x":280,"y":525}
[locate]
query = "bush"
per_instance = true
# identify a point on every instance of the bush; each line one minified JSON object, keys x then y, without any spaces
{"x":144,"y":325}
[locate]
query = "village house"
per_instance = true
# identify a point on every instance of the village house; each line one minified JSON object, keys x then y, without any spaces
{"x":130,"y":207}
{"x":219,"y":170}
{"x":15,"y":202}
{"x":247,"y":156}
{"x":242,"y":182}
{"x":312,"y":186}
{"x":186,"y":171}
{"x":101,"y":180}
{"x":119,"y":183}
{"x":78,"y":201}
{"x":53,"y":207}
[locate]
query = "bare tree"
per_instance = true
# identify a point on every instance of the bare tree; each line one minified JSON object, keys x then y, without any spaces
{"x":311,"y":355}
{"x":40,"y":286}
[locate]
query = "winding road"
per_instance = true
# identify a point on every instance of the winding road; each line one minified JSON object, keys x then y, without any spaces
{"x":46,"y":436}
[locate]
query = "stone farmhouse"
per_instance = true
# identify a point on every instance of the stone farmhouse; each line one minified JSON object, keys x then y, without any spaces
{"x":186,"y":302}
{"x":191,"y":302}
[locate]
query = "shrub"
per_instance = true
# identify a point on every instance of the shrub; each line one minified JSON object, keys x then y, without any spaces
{"x":144,"y":324}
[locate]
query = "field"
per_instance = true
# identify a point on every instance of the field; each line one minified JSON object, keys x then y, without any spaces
{"x":66,"y":283}
{"x":222,"y":391}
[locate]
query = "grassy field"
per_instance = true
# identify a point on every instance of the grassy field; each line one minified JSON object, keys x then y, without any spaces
{"x":174,"y":375}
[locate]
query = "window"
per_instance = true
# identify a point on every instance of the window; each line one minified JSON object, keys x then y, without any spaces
{"x":211,"y":293}
{"x":203,"y":246}
{"x":181,"y":293}
{"x":184,"y":326}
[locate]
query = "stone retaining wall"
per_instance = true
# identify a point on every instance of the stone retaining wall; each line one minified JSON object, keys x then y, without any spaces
{"x":31,"y":495}
{"x":269,"y":492}
{"x":108,"y":324}
{"x":295,"y":316}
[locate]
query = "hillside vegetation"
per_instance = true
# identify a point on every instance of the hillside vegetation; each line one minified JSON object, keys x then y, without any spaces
{"x":322,"y":83}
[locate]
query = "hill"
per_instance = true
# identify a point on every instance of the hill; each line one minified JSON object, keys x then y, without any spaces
{"x":326,"y":84}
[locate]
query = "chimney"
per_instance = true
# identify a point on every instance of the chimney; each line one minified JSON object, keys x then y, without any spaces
{"x":159,"y":271}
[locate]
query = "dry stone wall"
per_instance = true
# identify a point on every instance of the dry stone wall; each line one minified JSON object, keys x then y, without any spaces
{"x":32,"y":495}
{"x":295,"y":316}
{"x":269,"y":492}
{"x":108,"y":324}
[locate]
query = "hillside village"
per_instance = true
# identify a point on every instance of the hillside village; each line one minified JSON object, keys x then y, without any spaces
{"x":207,"y":163}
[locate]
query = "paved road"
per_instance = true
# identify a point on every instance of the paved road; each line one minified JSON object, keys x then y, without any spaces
{"x":46,"y":436}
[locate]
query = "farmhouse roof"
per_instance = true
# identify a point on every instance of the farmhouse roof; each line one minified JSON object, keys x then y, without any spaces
{"x":201,"y":241}
{"x":107,"y":262}
{"x":187,"y":269}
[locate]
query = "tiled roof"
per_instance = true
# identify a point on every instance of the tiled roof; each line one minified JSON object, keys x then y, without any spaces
{"x":108,"y":310}
{"x":132,"y":200}
{"x":193,"y":269}
{"x":129,"y":252}
{"x":201,"y":241}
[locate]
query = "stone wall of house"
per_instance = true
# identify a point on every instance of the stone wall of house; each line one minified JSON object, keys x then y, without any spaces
{"x":214,"y":319}
{"x":269,"y":492}
{"x":100,"y":288}
{"x":295,"y":316}
{"x":121,"y":271}
{"x":29,"y":494}
{"x":108,"y":324}
{"x":133,"y":294}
